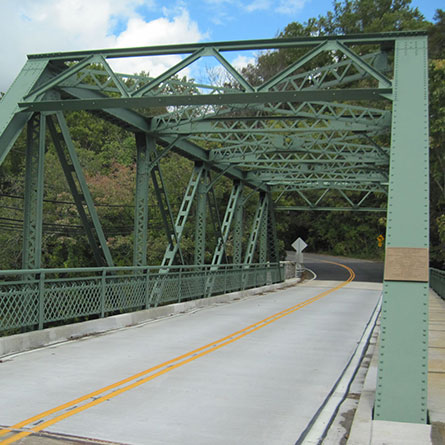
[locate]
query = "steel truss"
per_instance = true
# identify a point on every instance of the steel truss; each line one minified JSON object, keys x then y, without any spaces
{"x":320,"y":126}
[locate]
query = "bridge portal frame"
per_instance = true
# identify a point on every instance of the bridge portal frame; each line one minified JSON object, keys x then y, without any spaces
{"x":268,"y":161}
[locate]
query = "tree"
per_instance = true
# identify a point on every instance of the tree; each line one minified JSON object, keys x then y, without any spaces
{"x":360,"y":16}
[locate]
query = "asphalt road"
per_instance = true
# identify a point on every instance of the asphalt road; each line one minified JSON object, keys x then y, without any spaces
{"x":217,"y":375}
{"x":365,"y":270}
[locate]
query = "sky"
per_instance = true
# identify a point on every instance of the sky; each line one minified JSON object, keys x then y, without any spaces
{"x":38,"y":26}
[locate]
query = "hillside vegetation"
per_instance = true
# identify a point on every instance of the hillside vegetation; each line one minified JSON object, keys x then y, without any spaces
{"x":108,"y":155}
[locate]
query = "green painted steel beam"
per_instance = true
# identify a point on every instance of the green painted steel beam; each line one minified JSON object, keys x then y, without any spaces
{"x":176,"y":117}
{"x":370,"y":94}
{"x":33,"y":211}
{"x":67,"y":169}
{"x":272,"y":237}
{"x":329,"y":209}
{"x":268,"y":116}
{"x":164,"y":203}
{"x":86,"y":195}
{"x":269,"y":126}
{"x":12,"y":121}
{"x":376,"y":74}
{"x":356,"y":161}
{"x":183,"y":214}
{"x":82,"y":197}
{"x":303,"y":150}
{"x":327,"y":76}
{"x":402,"y":380}
{"x":201,"y":218}
{"x":232,"y":205}
{"x":350,"y":176}
{"x":238,"y":230}
{"x":196,"y":153}
{"x":263,"y":231}
{"x":351,"y":39}
{"x":144,"y":145}
{"x":133,"y":121}
{"x":255,"y":230}
{"x":56,"y":80}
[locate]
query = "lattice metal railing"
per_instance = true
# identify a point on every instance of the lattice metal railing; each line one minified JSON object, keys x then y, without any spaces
{"x":437,"y":281}
{"x":34,"y":299}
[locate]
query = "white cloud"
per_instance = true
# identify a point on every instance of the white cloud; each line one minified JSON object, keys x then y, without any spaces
{"x":284,"y":6}
{"x":290,"y":6}
{"x":162,"y":31}
{"x":64,"y":25}
{"x":241,"y":62}
{"x":219,"y":2}
{"x":258,"y":5}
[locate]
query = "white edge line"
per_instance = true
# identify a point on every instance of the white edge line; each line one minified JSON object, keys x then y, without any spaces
{"x":312,"y":272}
{"x":319,"y":425}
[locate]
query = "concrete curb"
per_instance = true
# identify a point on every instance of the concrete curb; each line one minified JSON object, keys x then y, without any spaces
{"x":323,"y":419}
{"x":360,"y":433}
{"x":14,"y":344}
{"x":366,"y":431}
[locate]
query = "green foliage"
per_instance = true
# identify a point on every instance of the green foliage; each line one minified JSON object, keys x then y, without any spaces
{"x":107,"y":155}
{"x":357,"y":16}
{"x":437,"y":161}
{"x":355,"y":234}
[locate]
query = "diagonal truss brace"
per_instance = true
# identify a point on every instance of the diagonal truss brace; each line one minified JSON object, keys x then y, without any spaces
{"x":183,"y":214}
{"x":81,"y":196}
{"x":173,"y":247}
{"x":233,"y":208}
{"x":165,"y":207}
{"x":255,"y":231}
{"x":227,"y":223}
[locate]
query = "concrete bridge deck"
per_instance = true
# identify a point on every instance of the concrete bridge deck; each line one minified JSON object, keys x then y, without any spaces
{"x":253,"y":372}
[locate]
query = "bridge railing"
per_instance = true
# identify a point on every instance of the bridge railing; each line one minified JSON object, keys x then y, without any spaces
{"x":437,"y":281}
{"x":34,"y":299}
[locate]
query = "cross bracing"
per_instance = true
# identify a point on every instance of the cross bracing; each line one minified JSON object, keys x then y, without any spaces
{"x":310,"y":123}
{"x":347,"y":118}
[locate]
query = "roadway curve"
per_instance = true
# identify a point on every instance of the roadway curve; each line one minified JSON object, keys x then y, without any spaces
{"x":365,"y":270}
{"x":254,"y":371}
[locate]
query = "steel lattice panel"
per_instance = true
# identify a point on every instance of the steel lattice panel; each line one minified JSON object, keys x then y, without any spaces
{"x":123,"y":293}
{"x":67,"y":300}
{"x":19,"y":305}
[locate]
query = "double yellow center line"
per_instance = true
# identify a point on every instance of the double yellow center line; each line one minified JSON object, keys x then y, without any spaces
{"x":47,"y":418}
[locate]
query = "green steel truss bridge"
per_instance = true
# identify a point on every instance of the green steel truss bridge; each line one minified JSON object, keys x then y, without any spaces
{"x":348,"y":118}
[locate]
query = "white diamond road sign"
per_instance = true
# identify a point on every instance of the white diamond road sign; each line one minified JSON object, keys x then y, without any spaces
{"x":299,"y":245}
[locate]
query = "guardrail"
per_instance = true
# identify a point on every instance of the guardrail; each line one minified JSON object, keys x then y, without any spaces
{"x":437,"y":281}
{"x":34,"y":299}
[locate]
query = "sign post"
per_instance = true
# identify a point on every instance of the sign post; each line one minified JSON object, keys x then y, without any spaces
{"x":299,"y":245}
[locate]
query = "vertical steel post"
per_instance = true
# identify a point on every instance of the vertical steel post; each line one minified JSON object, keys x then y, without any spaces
{"x":403,"y":365}
{"x":33,"y":215}
{"x":263,"y":235}
{"x":103,"y":291}
{"x":143,"y":145}
{"x":41,"y":300}
{"x":238,"y":228}
{"x":147,"y":289}
{"x":272,"y":238}
{"x":201,"y":216}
